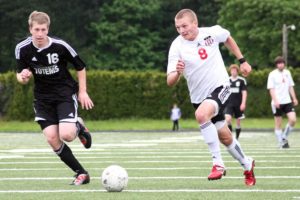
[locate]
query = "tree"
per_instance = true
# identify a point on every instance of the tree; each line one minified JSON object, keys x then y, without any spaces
{"x":127,"y":35}
{"x":257,"y":27}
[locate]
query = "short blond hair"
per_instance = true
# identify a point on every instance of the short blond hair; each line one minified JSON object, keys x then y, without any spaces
{"x":187,"y":12}
{"x":39,"y":17}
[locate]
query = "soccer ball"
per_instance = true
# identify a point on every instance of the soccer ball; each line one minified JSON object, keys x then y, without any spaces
{"x":114,"y":178}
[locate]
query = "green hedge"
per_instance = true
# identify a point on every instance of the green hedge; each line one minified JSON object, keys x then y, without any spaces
{"x":121,"y":94}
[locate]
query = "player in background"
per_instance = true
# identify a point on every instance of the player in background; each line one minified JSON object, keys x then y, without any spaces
{"x":237,"y":101}
{"x":281,"y":88}
{"x":175,"y":116}
{"x":55,"y":91}
{"x":195,"y":55}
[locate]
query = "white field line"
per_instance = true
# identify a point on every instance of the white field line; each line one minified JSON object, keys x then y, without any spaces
{"x":144,"y":178}
{"x":181,"y":157}
{"x":146,"y":168}
{"x":157,"y":191}
{"x":148,"y":161}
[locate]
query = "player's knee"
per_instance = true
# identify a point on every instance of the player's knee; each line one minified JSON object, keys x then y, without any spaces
{"x":68,"y":136}
{"x":292,"y":122}
{"x":201,"y":117}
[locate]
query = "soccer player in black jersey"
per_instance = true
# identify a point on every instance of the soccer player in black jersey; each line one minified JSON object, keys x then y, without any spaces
{"x":237,"y":101}
{"x":55,"y":92}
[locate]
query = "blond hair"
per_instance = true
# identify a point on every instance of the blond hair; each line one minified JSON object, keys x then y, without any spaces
{"x":39,"y":17}
{"x":187,"y":12}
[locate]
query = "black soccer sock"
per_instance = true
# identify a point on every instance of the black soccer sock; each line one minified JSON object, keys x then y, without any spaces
{"x":66,"y":155}
{"x":238,"y":131}
{"x":230,"y":127}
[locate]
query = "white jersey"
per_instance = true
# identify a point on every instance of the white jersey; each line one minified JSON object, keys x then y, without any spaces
{"x":281,"y":81}
{"x":204,"y":66}
{"x":175,"y":114}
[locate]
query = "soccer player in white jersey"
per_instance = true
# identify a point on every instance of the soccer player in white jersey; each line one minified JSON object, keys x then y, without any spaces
{"x":195,"y":54}
{"x":281,"y":88}
{"x":55,"y":91}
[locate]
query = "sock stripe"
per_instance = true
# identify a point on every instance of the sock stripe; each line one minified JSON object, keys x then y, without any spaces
{"x":205,"y":125}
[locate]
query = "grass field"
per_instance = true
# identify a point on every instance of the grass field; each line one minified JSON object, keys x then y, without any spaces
{"x":133,"y":124}
{"x":161,"y":166}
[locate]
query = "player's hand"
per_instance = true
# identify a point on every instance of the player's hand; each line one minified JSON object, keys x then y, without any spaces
{"x":245,"y":69}
{"x":242,"y":107}
{"x":85,"y":100}
{"x":180,"y":66}
{"x":26,"y":74}
{"x":295,"y":102}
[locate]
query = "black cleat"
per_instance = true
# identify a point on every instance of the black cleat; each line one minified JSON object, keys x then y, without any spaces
{"x":285,"y":144}
{"x":84,"y":134}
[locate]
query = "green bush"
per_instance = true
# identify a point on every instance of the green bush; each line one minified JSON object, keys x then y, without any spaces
{"x":130,"y":94}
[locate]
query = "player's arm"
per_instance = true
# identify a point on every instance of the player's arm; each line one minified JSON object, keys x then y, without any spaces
{"x":244,"y":100}
{"x":83,"y":97}
{"x":174,"y":76}
{"x":274,"y":98}
{"x":235,"y":50}
{"x":24,"y":76}
{"x":293,"y":95}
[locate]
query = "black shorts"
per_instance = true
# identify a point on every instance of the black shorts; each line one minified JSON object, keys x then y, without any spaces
{"x":52,"y":112}
{"x":283,"y":108}
{"x":219,"y":95}
{"x":234,"y":111}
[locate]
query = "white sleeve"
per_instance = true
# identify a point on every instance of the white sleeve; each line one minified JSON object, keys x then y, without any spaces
{"x":174,"y":56}
{"x":291,"y":81}
{"x":220,"y":33}
{"x":270,"y":84}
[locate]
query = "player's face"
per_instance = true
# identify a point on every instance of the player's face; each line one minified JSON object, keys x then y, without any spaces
{"x":280,"y":66}
{"x":187,"y":28}
{"x":39,"y":34}
{"x":234,"y":72}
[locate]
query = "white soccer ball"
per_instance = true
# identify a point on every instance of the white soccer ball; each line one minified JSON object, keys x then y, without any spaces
{"x":114,"y":178}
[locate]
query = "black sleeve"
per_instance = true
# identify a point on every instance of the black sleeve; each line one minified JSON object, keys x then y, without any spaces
{"x":74,"y":58}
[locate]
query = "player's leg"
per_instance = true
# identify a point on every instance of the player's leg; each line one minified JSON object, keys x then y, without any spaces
{"x":288,"y":128}
{"x":176,"y":125}
{"x":235,"y":149}
{"x":277,"y":112}
{"x":278,"y":129}
{"x":238,"y":115}
{"x":228,"y":116}
{"x":204,"y":113}
{"x":70,"y":125}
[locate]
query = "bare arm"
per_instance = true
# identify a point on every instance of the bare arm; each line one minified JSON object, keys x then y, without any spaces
{"x":274,"y":98}
{"x":244,"y":100}
{"x":235,"y":50}
{"x":83,"y":97}
{"x":174,"y":76}
{"x":293,"y":95}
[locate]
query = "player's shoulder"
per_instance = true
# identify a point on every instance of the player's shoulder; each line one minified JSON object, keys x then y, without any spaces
{"x":24,"y":42}
{"x":241,"y":78}
{"x":58,"y":41}
{"x":212,"y":29}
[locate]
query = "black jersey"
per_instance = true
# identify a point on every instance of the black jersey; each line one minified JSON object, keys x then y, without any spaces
{"x":236,"y":88}
{"x":48,"y":65}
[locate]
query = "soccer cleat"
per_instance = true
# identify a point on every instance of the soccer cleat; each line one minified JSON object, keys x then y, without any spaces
{"x":84,"y":134}
{"x":216,"y":173}
{"x":81,"y":179}
{"x":249,"y":175}
{"x":285,"y":144}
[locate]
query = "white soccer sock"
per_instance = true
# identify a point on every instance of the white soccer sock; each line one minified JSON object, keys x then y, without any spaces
{"x":210,"y":135}
{"x":236,"y":151}
{"x":288,"y":129}
{"x":278,"y":133}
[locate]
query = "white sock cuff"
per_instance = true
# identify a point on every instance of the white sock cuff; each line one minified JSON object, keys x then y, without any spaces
{"x":209,"y":132}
